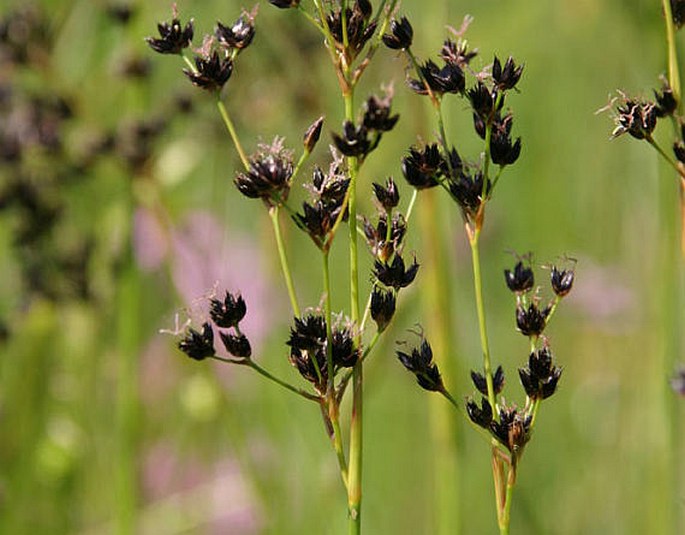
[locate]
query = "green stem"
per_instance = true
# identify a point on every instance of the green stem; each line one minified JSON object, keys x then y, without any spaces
{"x":410,"y":208}
{"x":329,"y":327}
{"x":273,"y":213}
{"x":190,"y":64}
{"x":534,"y":412}
{"x":311,"y":19}
{"x":354,"y":491}
{"x":343,"y":19}
{"x":665,"y":156}
{"x":496,"y":179}
{"x":478,"y":287}
{"x":506,"y":514}
{"x":256,"y":367}
{"x":233,"y":133}
{"x":338,"y":446}
{"x":673,"y":71}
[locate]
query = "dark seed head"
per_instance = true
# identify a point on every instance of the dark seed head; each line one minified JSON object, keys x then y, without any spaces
{"x":678,"y":12}
{"x":237,"y":345}
{"x":229,"y":312}
{"x":562,"y":280}
{"x":666,"y":104}
{"x":540,"y":377}
{"x":382,"y":307}
{"x":422,"y":168}
{"x":284,"y":4}
{"x":679,"y":151}
{"x":173,"y":37}
{"x":400,"y":36}
{"x":635,"y":118}
{"x":345,"y":353}
{"x":239,"y":36}
{"x":481,"y":99}
{"x":521,"y":279}
{"x":198,"y":345}
{"x":387,"y":196}
{"x":377,"y":114}
{"x":504,"y":151}
{"x":512,"y":430}
{"x":353,"y":141}
{"x":457,"y":53}
{"x":448,"y":79}
{"x":395,"y":274}
{"x":467,"y":190}
{"x":211,"y":73}
{"x":481,"y":384}
{"x":312,"y":135}
{"x":269,"y":175}
{"x":531,"y":321}
{"x":481,"y":416}
{"x":382,"y":244}
{"x":506,"y":77}
{"x":420,"y":363}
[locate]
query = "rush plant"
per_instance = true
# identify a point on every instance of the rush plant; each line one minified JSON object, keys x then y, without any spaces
{"x":471,"y":184}
{"x":328,"y":349}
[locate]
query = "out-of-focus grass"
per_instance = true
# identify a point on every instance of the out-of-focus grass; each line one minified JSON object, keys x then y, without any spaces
{"x":217,"y":452}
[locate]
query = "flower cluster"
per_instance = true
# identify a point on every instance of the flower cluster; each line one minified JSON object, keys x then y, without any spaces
{"x":531,"y":317}
{"x":319,"y":216}
{"x":357,"y":29}
{"x":419,"y":361}
{"x":309,"y":346}
{"x":360,"y":139}
{"x":269,"y":174}
{"x":385,"y":241}
{"x":226,"y":315}
{"x":438,"y":164}
{"x":213,"y":64}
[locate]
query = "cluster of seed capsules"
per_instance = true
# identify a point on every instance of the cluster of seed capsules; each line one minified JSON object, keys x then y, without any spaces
{"x":269,"y":175}
{"x":508,"y":424}
{"x":308,"y":341}
{"x":439,"y":164}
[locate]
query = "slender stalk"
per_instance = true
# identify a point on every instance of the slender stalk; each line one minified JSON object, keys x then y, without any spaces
{"x":329,"y":327}
{"x":256,"y":367}
{"x":410,"y":208}
{"x":273,"y":213}
{"x":506,"y":513}
{"x":673,"y":71}
{"x":331,"y":400}
{"x":666,"y":157}
{"x":498,"y":479}
{"x":534,"y":412}
{"x":338,"y":446}
{"x":482,"y":327}
{"x":234,"y":135}
{"x":188,"y":62}
{"x":354,"y":491}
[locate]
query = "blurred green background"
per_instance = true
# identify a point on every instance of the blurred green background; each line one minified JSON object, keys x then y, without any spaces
{"x":121,"y":213}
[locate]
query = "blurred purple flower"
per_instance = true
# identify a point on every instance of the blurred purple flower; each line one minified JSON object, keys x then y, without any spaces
{"x":207,"y":257}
